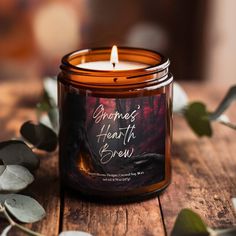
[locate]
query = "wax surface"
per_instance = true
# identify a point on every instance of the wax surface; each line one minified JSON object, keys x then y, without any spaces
{"x":106,"y":65}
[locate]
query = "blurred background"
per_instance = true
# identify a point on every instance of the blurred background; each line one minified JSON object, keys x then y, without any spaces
{"x":199,"y":36}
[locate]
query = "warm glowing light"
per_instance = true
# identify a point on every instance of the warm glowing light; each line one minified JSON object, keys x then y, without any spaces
{"x":114,"y":56}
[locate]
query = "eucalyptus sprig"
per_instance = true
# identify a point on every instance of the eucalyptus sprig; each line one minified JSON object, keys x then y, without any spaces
{"x":26,"y":214}
{"x":189,"y":223}
{"x":47,"y":110}
{"x":18,"y":164}
{"x":196,"y":113}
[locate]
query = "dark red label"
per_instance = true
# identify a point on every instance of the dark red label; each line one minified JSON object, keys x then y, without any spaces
{"x":113,"y":144}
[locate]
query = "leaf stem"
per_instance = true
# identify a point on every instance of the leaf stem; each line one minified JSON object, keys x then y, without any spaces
{"x":228,"y":124}
{"x":3,"y":210}
{"x":30,"y":232}
{"x":13,"y":223}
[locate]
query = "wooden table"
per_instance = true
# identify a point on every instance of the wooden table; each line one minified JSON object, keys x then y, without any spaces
{"x":203,"y":175}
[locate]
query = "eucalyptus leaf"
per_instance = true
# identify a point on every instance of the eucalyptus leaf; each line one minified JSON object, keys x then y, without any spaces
{"x":197,"y":118}
{"x":48,"y":115}
{"x":6,"y":230}
{"x":42,"y":107}
{"x":44,"y":119}
{"x":180,"y":98}
{"x":50,"y":87}
{"x":24,"y":208}
{"x":39,"y":135}
{"x":223,"y":232}
{"x":49,"y":103}
{"x":223,"y":118}
{"x":234,"y":203}
{"x":3,"y":197}
{"x":188,"y":223}
{"x":14,"y":152}
{"x":14,"y":178}
{"x":74,"y":233}
{"x":53,"y":114}
{"x":49,"y":99}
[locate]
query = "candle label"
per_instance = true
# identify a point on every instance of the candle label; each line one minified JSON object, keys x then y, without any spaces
{"x":116,"y":144}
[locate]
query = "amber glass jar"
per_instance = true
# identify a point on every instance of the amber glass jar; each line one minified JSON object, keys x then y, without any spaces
{"x":115,"y":126}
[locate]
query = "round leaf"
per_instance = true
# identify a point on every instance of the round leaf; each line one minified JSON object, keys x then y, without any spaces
{"x":180,"y":98}
{"x":24,"y":208}
{"x":189,"y":223}
{"x":74,"y":233}
{"x":39,"y":135}
{"x":14,"y":152}
{"x":50,"y":87}
{"x":53,"y":114}
{"x":197,"y":117}
{"x":3,"y":197}
{"x":14,"y":178}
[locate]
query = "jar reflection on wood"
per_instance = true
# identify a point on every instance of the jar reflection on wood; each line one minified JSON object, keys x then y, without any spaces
{"x":116,"y":125}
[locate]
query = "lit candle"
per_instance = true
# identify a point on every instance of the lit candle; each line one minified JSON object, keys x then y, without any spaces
{"x":115,"y":122}
{"x":113,"y":64}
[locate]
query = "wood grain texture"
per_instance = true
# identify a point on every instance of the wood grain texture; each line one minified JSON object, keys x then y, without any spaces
{"x":17,"y":103}
{"x":46,"y":190}
{"x":203,"y":175}
{"x":204,"y":169}
{"x":127,"y":219}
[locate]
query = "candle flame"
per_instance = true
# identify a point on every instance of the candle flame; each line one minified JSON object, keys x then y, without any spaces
{"x":114,"y":56}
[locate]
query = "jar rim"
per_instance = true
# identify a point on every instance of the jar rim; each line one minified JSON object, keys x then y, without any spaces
{"x":161,"y":62}
{"x":156,"y":72}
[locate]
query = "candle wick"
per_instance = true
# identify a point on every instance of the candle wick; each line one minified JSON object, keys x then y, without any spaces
{"x":114,"y":65}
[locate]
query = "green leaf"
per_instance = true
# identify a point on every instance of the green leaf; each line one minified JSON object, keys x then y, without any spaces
{"x":223,"y":232}
{"x":3,"y":197}
{"x":53,"y":115}
{"x":39,"y":135}
{"x":51,"y":119}
{"x":14,"y":178}
{"x":188,"y":223}
{"x":24,"y":208}
{"x":197,"y":118}
{"x":15,"y":152}
{"x":50,"y":88}
{"x":44,"y":119}
{"x":180,"y":98}
{"x":74,"y":233}
{"x":49,"y":99}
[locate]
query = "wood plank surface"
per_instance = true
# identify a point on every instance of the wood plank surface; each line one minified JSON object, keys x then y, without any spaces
{"x":126,"y":219}
{"x":203,"y":175}
{"x":204,"y":169}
